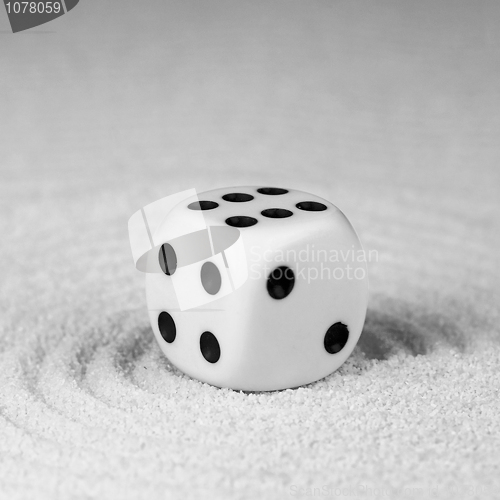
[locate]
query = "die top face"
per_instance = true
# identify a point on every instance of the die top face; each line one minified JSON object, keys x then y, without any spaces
{"x":256,"y":210}
{"x":262,"y":218}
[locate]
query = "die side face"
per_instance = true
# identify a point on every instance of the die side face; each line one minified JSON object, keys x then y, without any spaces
{"x":288,"y":334}
{"x":280,"y":329}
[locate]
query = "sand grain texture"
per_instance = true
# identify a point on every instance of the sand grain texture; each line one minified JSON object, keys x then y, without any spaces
{"x":391,"y":112}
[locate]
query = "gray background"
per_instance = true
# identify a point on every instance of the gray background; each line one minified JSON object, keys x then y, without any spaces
{"x":388,"y":109}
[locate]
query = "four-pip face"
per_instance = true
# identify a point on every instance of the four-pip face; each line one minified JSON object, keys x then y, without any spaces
{"x":253,"y":288}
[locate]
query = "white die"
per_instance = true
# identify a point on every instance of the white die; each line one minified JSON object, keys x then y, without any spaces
{"x":278,"y":303}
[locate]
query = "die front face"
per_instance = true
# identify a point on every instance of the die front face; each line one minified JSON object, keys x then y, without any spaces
{"x":280,"y":304}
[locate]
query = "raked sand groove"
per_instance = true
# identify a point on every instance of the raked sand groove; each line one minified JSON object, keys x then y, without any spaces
{"x":90,"y":408}
{"x":108,"y":416}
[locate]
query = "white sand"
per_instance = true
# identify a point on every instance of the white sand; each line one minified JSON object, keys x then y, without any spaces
{"x":389,"y":112}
